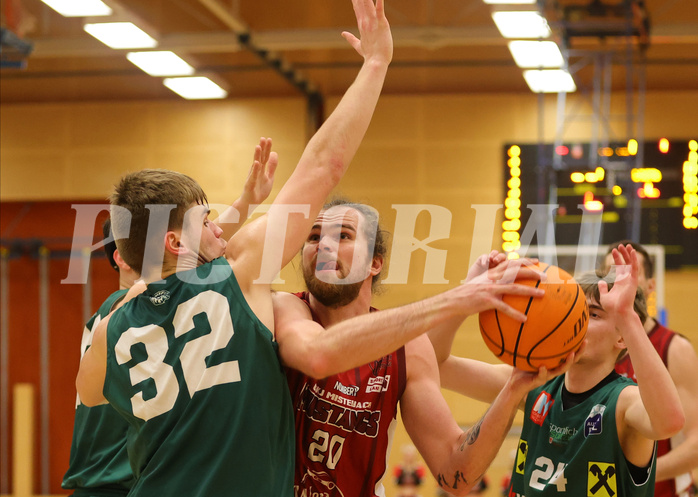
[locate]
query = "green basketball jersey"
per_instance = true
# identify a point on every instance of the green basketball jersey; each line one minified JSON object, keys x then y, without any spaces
{"x":99,"y":463}
{"x":575,"y":452}
{"x":199,"y":374}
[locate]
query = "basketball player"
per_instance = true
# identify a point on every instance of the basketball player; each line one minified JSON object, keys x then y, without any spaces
{"x":590,"y":432}
{"x":192,"y":361}
{"x":346,"y":401}
{"x":99,"y":464}
{"x":98,"y":460}
{"x":678,"y":456}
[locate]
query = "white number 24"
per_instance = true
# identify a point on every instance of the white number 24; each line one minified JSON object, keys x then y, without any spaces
{"x":543,"y":475}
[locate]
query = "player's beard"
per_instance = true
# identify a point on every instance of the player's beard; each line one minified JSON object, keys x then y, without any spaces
{"x":330,"y":295}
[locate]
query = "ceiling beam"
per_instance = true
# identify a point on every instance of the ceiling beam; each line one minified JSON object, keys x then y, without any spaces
{"x":429,"y":37}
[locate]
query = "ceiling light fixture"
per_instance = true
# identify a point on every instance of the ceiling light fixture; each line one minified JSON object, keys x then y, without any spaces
{"x":510,"y":2}
{"x":532,"y":54}
{"x":79,"y":8}
{"x":195,"y":88}
{"x":549,"y":81}
{"x":161,"y":63}
{"x":521,"y":24}
{"x":121,"y":35}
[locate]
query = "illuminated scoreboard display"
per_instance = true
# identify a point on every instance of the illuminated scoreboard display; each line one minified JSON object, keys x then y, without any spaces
{"x":661,"y":195}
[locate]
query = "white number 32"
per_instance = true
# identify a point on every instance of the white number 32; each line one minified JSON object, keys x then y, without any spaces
{"x":197,"y":375}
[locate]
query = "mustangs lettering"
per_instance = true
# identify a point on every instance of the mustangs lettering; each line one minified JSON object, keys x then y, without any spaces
{"x":331,"y":411}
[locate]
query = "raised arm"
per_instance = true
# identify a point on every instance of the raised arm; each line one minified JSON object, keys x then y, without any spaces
{"x":457,"y":459}
{"x":654,"y":412}
{"x":328,"y":153}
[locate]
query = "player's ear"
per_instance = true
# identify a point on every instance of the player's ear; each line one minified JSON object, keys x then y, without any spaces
{"x":173,"y":243}
{"x":376,"y":265}
{"x":120,"y":261}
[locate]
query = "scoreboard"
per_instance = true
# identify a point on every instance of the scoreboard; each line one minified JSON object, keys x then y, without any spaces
{"x":648,"y":193}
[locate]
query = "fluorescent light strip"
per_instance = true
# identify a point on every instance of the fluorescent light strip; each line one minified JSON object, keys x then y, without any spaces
{"x":163,"y":63}
{"x":536,"y":54}
{"x":121,"y":35}
{"x":521,"y":24}
{"x":79,"y":8}
{"x":195,"y":88}
{"x":549,"y":81}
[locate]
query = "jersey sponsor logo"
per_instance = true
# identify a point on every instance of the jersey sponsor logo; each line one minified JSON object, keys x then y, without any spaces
{"x":601,"y":480}
{"x":160,"y":297}
{"x":521,"y":452}
{"x":380,"y":365}
{"x":378,"y":384}
{"x":560,"y":435}
{"x":350,"y":390}
{"x":592,"y":425}
{"x":364,"y":422}
{"x":541,"y":408}
{"x":311,"y":480}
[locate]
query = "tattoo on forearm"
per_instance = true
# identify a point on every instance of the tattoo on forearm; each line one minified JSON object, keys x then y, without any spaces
{"x":458,"y":477}
{"x":472,"y":434}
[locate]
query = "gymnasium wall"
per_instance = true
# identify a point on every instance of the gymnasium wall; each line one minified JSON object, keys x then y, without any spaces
{"x":444,"y":151}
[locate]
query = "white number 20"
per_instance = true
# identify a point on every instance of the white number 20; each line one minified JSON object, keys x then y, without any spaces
{"x":197,"y":375}
{"x":326,"y":447}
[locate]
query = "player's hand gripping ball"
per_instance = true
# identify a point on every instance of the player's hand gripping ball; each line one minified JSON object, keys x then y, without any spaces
{"x":556,"y":323}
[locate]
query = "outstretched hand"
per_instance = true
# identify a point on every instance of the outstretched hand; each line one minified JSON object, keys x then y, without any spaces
{"x":375,"y":42}
{"x":622,"y":296}
{"x":493,"y":276}
{"x":260,"y":179}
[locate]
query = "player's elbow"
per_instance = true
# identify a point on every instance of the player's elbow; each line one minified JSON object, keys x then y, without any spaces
{"x":332,"y":165}
{"x":462,"y":488}
{"x":679,"y":422}
{"x":306,"y":350}
{"x":672,"y":423}
{"x":319,"y":365}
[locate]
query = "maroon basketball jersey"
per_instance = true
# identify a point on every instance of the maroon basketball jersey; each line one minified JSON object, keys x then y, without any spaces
{"x":661,"y":338}
{"x":344,"y":427}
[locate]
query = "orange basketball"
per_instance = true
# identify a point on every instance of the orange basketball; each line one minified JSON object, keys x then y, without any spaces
{"x":556,"y":323}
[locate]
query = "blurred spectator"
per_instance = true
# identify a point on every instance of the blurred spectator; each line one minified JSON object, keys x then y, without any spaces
{"x":409,"y":474}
